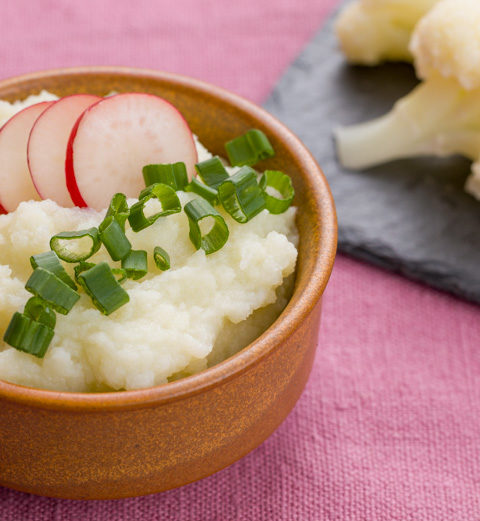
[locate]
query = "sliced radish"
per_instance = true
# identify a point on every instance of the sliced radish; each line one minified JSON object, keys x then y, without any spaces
{"x":47,"y":146}
{"x":15,"y":182}
{"x":112,"y":141}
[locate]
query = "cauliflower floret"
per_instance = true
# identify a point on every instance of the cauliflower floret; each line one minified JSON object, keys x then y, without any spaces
{"x":442,"y":115}
{"x":373,"y":31}
{"x":447,"y":41}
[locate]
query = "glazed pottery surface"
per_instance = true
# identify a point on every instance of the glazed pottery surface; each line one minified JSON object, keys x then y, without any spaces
{"x":113,"y":445}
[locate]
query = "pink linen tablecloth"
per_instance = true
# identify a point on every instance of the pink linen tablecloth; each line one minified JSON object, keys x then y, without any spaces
{"x":388,"y":427}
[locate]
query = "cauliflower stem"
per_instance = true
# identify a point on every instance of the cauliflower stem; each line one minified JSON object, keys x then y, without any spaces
{"x":439,"y":117}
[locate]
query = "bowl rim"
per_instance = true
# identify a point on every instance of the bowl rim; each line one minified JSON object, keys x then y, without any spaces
{"x":284,"y":326}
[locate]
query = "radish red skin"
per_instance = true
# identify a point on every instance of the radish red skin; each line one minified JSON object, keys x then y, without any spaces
{"x":47,"y":145}
{"x":156,"y":133}
{"x":69,"y":175}
{"x":17,"y":186}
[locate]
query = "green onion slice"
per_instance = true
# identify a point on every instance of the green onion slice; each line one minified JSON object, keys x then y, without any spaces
{"x":283,"y":185}
{"x":173,"y":174}
{"x":103,"y":288}
{"x":241,"y":196}
{"x":58,"y":295}
{"x":196,"y":211}
{"x":212,"y":172}
{"x":27,"y":335}
{"x":68,"y":245}
{"x":161,"y":258}
{"x":50,"y":262}
{"x":120,"y":274}
{"x":118,"y":209}
{"x":83,"y":266}
{"x":113,"y":237}
{"x":37,"y":309}
{"x":249,"y":148}
{"x":207,"y":192}
{"x":168,"y":199}
{"x":135,"y":264}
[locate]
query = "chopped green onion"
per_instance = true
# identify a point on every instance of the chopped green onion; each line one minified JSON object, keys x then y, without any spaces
{"x":60,"y":244}
{"x":212,"y":172}
{"x":211,"y":242}
{"x":55,"y":292}
{"x":249,"y":148}
{"x":207,"y":192}
{"x":119,"y":209}
{"x":168,"y":199}
{"x":161,"y":258}
{"x":120,"y":274}
{"x":113,"y":237}
{"x":135,"y":264}
{"x":103,"y":288}
{"x":83,"y":266}
{"x":282,"y":184}
{"x":50,"y":262}
{"x":174,"y":175}
{"x":37,"y":309}
{"x":27,"y":335}
{"x":241,"y":196}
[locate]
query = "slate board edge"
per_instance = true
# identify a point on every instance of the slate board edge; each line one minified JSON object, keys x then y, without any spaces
{"x":413,"y":271}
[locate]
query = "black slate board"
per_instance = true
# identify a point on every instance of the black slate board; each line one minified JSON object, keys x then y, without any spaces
{"x":410,"y":216}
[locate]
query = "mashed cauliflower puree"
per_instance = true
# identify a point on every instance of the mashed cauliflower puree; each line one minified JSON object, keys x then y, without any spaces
{"x":177,"y":322}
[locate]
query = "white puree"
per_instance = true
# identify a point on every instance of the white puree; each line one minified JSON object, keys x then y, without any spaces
{"x":177,"y":322}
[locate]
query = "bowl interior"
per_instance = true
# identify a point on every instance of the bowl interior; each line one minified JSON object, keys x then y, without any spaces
{"x":217,"y":116}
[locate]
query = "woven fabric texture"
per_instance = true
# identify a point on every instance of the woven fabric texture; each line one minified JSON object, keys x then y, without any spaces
{"x":388,"y":427}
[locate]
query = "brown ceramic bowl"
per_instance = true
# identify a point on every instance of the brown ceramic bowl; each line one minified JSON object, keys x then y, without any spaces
{"x":130,"y":443}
